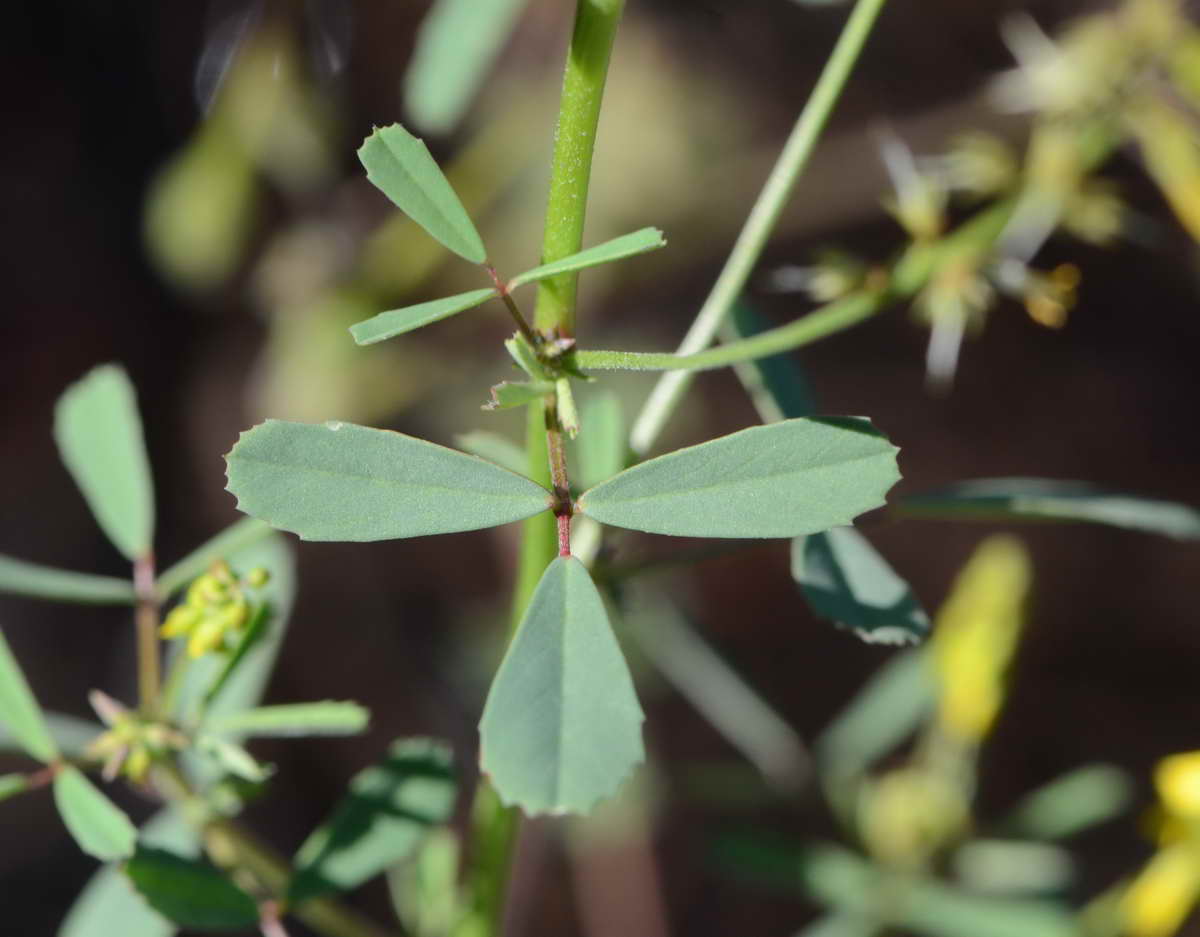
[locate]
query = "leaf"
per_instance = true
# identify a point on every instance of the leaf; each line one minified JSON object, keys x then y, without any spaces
{"x":19,"y":711}
{"x":398,"y":321}
{"x":840,"y":924}
{"x":297,"y":719}
{"x":399,"y":165}
{"x":562,"y":727}
{"x":628,"y":245}
{"x":1043,"y":498}
{"x":424,"y":890}
{"x":99,"y":826}
{"x":1069,"y":804}
{"x":456,"y":45}
{"x":602,"y":447}
{"x":99,"y":435}
{"x":60,"y":585}
{"x":509,"y":394}
{"x":846,"y":580}
{"x":495,"y":448}
{"x":382,"y":818}
{"x":71,"y":734}
{"x":190,"y":892}
{"x":789,"y":478}
{"x":346,"y":482}
{"x":107,"y":906}
{"x":13,"y":784}
{"x":237,"y":536}
{"x":1003,"y":867}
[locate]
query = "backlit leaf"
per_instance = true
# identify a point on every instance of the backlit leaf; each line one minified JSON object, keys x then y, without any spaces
{"x":782,"y":480}
{"x":190,"y":892}
{"x":628,"y":245}
{"x":562,"y":727}
{"x":61,"y":585}
{"x":400,"y":166}
{"x":99,"y":826}
{"x":19,"y":711}
{"x":398,"y":321}
{"x":388,"y":809}
{"x":99,"y":435}
{"x":296,"y":719}
{"x":340,"y":481}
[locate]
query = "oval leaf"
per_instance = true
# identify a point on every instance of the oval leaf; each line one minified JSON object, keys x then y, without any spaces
{"x":846,"y":580}
{"x":298,"y":719}
{"x":400,"y":166}
{"x":99,"y":826}
{"x":789,"y":478}
{"x":190,"y":892}
{"x":61,"y":585}
{"x":345,"y":482}
{"x":628,"y":245}
{"x":19,"y":711}
{"x":389,"y":807}
{"x":398,"y":321}
{"x":99,"y":435}
{"x":562,"y":727}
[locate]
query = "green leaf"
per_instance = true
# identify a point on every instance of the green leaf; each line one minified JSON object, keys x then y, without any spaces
{"x":99,"y":435}
{"x":846,"y":580}
{"x":495,"y":448}
{"x":19,"y":711}
{"x":562,"y":727}
{"x":400,"y":166}
{"x":525,"y":357}
{"x":228,"y":758}
{"x":99,"y":826}
{"x":790,"y":478}
{"x":71,"y":734}
{"x":107,"y":906}
{"x":297,"y":719}
{"x":425,"y":891}
{"x":190,"y":892}
{"x":1047,"y":499}
{"x":382,"y":818}
{"x":456,"y":45}
{"x":628,"y":245}
{"x":568,"y":415}
{"x":346,"y":482}
{"x":1005,"y":867}
{"x":601,"y":448}
{"x":13,"y":784}
{"x":509,"y":394}
{"x":237,"y":536}
{"x":1069,"y":804}
{"x":398,"y":321}
{"x":60,"y":585}
{"x":841,"y":924}
{"x":777,"y":384}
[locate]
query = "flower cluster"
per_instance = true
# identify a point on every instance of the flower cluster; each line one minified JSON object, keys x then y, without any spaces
{"x":216,"y":606}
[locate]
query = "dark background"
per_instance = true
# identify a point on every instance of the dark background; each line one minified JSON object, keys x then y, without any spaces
{"x":97,"y":96}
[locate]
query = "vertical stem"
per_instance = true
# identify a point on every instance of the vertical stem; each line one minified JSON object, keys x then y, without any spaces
{"x":574,"y":141}
{"x":146,"y":618}
{"x":761,"y":222}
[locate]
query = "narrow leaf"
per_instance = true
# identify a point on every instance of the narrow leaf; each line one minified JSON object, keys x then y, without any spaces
{"x":237,"y":536}
{"x":568,"y":415}
{"x":1072,"y":803}
{"x":19,"y":711}
{"x":382,"y":818}
{"x":398,"y":321}
{"x":789,"y":478}
{"x":99,"y":435}
{"x":228,"y":758}
{"x":60,"y":585}
{"x":298,"y":719}
{"x":628,"y":245}
{"x":13,"y":784}
{"x":509,"y":394}
{"x":602,"y":448}
{"x":400,"y":166}
{"x":1047,"y":499}
{"x":190,"y":892}
{"x":456,"y":45}
{"x":846,"y":580}
{"x":495,"y":448}
{"x":562,"y":727}
{"x":346,"y":482}
{"x":71,"y":734}
{"x":100,"y":827}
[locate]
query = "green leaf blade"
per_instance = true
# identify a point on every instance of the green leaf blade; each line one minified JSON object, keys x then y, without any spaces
{"x":400,"y":166}
{"x":628,"y":245}
{"x":98,"y":825}
{"x":789,"y":478}
{"x":494,"y":448}
{"x":562,"y":726}
{"x":340,"y":481}
{"x":292,"y":720}
{"x":389,"y":808}
{"x":190,"y":892}
{"x":602,"y":448}
{"x":19,"y":710}
{"x":409,"y":318}
{"x":99,"y":435}
{"x":35,"y":581}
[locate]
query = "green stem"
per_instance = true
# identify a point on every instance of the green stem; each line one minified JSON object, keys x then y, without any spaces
{"x":146,"y":617}
{"x":753,"y":238}
{"x":574,"y":142}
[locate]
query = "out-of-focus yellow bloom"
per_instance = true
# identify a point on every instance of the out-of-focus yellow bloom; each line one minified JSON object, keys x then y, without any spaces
{"x":976,"y":635}
{"x":1163,"y":894}
{"x":908,"y":814}
{"x":216,"y":605}
{"x":1177,"y":780}
{"x":130,"y":744}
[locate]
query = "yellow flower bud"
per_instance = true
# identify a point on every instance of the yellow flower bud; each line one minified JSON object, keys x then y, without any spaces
{"x":137,"y":765}
{"x":1163,"y":894}
{"x":258,"y":577}
{"x":207,"y":637}
{"x":1177,"y":779}
{"x":181,"y":620}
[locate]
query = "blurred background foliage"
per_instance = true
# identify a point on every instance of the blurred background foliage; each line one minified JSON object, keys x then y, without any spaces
{"x":181,"y":195}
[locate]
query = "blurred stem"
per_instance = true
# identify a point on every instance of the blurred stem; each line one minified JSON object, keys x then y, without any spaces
{"x":146,"y":619}
{"x":494,"y":827}
{"x":763,"y":217}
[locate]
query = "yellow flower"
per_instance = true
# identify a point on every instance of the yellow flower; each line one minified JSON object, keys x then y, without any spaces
{"x":1159,"y":899}
{"x":1177,"y":780}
